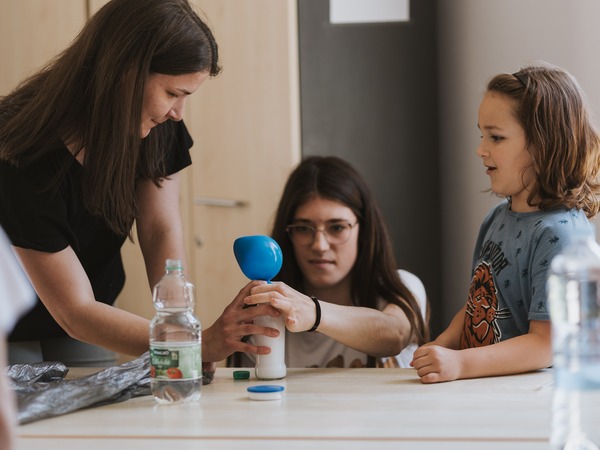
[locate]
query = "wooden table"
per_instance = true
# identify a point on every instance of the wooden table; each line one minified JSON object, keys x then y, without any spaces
{"x":321,"y":409}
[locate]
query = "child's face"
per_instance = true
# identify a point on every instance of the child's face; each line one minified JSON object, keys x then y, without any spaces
{"x":503,"y":150}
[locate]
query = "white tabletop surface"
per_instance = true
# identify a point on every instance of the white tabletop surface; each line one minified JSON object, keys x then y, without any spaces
{"x":321,"y":408}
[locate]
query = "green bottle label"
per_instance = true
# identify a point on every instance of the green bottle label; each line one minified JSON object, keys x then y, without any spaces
{"x":173,"y":361}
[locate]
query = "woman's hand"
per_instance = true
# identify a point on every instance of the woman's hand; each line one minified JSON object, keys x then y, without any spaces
{"x":224,"y":337}
{"x":298,"y":309}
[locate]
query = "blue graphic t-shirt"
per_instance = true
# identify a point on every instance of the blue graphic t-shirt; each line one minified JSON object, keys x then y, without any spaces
{"x":510,"y":267}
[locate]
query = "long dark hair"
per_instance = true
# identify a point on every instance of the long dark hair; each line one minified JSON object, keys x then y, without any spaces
{"x":91,"y":96}
{"x":563,"y":142}
{"x":375,"y":272}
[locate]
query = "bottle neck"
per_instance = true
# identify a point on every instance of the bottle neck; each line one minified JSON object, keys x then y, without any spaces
{"x":177,"y":271}
{"x":173,"y":265}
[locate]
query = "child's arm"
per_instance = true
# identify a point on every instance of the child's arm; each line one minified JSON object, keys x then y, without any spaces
{"x":524,"y":353}
{"x":450,"y":337}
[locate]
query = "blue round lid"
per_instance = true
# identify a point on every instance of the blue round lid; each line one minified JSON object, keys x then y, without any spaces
{"x":265,"y":388}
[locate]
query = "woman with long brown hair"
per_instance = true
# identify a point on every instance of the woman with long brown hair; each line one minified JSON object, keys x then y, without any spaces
{"x":90,"y":144}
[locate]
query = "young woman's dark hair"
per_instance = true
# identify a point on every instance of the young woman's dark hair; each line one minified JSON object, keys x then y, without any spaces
{"x":90,"y":97}
{"x":375,"y":273}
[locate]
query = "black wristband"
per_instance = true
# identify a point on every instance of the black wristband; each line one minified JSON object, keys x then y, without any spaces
{"x":318,"y":313}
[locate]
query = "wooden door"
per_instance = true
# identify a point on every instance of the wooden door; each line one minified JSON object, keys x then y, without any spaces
{"x":32,"y":32}
{"x":246,"y":129}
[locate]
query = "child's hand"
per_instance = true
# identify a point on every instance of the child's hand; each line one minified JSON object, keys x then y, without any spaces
{"x":435,"y":364}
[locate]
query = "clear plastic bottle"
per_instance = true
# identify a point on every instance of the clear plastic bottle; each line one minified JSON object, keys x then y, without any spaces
{"x":574,"y":299}
{"x":175,"y":339}
{"x":271,"y":366}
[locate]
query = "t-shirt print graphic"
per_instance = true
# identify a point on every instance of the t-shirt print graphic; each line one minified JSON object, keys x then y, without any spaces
{"x":480,"y":327}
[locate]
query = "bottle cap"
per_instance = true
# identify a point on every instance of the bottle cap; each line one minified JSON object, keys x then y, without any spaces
{"x":173,"y":264}
{"x":241,"y":374}
{"x":265,"y":392}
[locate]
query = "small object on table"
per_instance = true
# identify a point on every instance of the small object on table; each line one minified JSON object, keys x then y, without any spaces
{"x":265,"y":392}
{"x":241,"y":374}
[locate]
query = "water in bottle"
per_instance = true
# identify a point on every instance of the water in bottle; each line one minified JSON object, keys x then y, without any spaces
{"x":574,"y":299}
{"x":175,"y":339}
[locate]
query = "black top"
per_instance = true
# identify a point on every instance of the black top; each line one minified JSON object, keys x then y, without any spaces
{"x":37,"y":218}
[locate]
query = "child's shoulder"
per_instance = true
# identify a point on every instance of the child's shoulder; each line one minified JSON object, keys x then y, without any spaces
{"x":558,"y":227}
{"x":560,"y":222}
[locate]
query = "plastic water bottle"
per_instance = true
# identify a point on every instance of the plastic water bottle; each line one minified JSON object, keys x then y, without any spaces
{"x":271,"y":366}
{"x":175,"y":339}
{"x":574,"y":298}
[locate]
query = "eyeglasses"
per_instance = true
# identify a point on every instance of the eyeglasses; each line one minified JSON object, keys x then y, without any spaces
{"x":336,"y":233}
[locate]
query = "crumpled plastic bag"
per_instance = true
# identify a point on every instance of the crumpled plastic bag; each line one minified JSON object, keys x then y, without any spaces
{"x":42,"y":390}
{"x":42,"y":371}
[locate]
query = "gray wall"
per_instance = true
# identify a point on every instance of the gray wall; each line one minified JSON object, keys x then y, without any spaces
{"x":369,"y":94}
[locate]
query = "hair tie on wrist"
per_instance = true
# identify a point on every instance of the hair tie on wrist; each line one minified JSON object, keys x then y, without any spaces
{"x":318,"y":313}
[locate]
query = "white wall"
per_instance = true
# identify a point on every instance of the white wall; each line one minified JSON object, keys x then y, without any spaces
{"x":478,"y":39}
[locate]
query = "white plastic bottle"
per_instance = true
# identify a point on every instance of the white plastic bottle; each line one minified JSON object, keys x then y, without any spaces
{"x":574,"y":298}
{"x":271,"y":366}
{"x":175,"y":339}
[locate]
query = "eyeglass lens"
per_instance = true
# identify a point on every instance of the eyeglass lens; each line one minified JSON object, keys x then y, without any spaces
{"x":335,"y":233}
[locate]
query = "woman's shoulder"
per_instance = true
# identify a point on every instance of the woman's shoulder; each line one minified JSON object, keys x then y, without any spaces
{"x":178,"y":155}
{"x":183,"y":133}
{"x":37,"y":174}
{"x":415,"y":286}
{"x":178,"y":132}
{"x":412,"y":282}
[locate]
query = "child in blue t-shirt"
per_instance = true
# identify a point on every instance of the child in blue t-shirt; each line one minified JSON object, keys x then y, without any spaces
{"x":541,"y":153}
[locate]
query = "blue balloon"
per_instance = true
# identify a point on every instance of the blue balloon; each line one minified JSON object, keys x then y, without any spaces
{"x":258,"y":256}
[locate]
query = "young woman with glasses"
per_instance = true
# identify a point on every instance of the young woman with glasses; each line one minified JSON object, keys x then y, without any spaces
{"x":339,"y":289}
